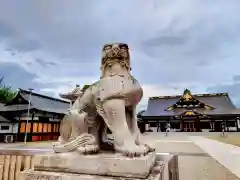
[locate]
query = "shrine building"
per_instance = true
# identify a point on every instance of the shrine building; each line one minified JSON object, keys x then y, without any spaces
{"x":190,"y":113}
{"x":45,"y":114}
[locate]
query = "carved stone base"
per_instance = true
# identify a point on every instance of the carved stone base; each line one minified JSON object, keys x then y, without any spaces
{"x":155,"y":174}
{"x":105,"y":164}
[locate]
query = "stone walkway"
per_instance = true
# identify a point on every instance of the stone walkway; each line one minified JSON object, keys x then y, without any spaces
{"x":226,"y":154}
{"x":21,"y":145}
{"x":195,"y":164}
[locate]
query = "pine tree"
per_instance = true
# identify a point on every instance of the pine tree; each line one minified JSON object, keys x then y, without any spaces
{"x":85,"y":87}
{"x":6,"y":92}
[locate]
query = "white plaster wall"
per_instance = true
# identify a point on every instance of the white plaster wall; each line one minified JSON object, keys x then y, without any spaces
{"x":6,"y":124}
{"x":154,"y":129}
{"x":146,"y":127}
{"x":29,"y":118}
{"x":13,"y":128}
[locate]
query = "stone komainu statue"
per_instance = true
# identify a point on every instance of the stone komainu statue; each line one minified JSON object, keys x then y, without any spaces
{"x":108,"y":103}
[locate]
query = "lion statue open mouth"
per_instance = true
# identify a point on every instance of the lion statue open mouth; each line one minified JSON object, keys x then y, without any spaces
{"x":108,"y":103}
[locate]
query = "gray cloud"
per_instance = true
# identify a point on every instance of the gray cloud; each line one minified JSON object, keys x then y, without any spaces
{"x":172,"y":42}
{"x":45,"y":63}
{"x":25,"y":45}
{"x":5,"y":30}
{"x":17,"y":77}
{"x":236,"y":78}
{"x":165,"y":40}
{"x":198,"y":44}
{"x":78,"y":29}
{"x":232,"y":89}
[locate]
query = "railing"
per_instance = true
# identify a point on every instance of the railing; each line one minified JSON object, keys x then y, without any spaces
{"x":12,"y":161}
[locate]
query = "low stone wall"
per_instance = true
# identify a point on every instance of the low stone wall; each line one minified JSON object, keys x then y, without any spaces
{"x":226,"y":154}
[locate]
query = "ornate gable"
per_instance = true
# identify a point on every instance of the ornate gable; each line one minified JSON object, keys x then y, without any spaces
{"x":188,"y":101}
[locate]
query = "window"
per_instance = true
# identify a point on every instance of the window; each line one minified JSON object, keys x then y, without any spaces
{"x":43,"y":119}
{"x":5,"y":127}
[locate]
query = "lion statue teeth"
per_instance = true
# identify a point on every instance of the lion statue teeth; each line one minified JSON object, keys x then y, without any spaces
{"x":108,"y":103}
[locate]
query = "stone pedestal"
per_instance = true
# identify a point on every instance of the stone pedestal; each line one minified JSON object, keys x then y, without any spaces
{"x":72,"y":166}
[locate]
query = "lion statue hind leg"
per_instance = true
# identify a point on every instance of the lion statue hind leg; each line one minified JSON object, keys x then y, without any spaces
{"x":74,"y":135}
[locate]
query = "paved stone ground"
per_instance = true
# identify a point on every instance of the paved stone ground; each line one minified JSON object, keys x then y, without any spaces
{"x":191,"y":167}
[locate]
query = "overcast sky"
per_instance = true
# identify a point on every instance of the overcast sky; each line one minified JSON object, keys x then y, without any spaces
{"x":51,"y":45}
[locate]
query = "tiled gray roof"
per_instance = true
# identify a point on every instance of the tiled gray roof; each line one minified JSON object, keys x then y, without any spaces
{"x":17,"y":107}
{"x":3,"y":119}
{"x":140,"y":113}
{"x":1,"y":105}
{"x":236,"y":111}
{"x":222,"y":104}
{"x":39,"y":102}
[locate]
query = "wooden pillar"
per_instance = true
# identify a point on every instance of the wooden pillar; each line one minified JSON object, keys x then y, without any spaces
{"x":59,"y":126}
{"x":158,"y":126}
{"x":146,"y":127}
{"x":19,"y":127}
{"x":197,"y":124}
{"x":52,"y":130}
{"x":42,"y":137}
{"x":31,"y":127}
{"x":237,"y":124}
{"x":182,"y":124}
{"x":185,"y":126}
{"x":211,"y":125}
{"x":221,"y":126}
{"x":226,"y":122}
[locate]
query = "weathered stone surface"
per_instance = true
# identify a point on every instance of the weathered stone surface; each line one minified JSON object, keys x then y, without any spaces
{"x":98,"y":164}
{"x":155,"y":174}
{"x":109,"y":103}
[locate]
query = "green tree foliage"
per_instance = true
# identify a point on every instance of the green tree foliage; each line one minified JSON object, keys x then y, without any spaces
{"x":85,"y":87}
{"x":6,"y":92}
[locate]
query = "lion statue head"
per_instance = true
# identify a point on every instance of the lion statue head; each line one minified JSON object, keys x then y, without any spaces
{"x":115,"y":53}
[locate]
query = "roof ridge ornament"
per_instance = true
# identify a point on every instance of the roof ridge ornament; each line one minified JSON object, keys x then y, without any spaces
{"x":73,"y":95}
